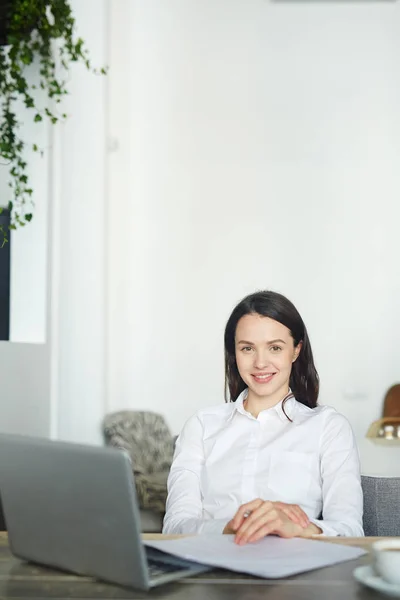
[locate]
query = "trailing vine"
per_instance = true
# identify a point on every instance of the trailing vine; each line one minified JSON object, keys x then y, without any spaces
{"x":37,"y":31}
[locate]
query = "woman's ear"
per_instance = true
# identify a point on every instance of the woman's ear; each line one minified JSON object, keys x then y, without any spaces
{"x":297,"y":351}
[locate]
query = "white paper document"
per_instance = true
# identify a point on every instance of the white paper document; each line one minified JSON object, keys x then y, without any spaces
{"x":271,"y":557}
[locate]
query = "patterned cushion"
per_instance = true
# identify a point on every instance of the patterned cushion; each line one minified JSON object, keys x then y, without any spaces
{"x":152,"y":490}
{"x":150,"y":445}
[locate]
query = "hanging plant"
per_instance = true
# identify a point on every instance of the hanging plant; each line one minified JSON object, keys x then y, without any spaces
{"x":32,"y":31}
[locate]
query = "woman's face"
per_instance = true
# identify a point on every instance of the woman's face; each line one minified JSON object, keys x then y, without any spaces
{"x":265,"y":353}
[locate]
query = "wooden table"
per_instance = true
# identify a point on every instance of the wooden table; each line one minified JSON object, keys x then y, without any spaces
{"x":20,"y":580}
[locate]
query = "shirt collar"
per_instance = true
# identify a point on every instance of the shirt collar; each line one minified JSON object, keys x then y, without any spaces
{"x":238,"y":405}
{"x":289,"y":407}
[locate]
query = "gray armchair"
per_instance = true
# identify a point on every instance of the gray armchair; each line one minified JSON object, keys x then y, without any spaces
{"x":148,"y":441}
{"x":381,"y":505}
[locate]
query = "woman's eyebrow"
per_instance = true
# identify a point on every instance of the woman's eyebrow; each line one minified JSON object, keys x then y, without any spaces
{"x":270,"y":342}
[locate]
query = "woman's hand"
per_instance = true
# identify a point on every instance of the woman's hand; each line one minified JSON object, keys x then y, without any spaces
{"x":294,"y":512}
{"x":257,"y":519}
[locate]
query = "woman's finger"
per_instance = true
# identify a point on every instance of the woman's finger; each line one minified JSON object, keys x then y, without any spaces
{"x":249,"y":528}
{"x":293,"y":516}
{"x":304,"y":520}
{"x":245,"y":511}
{"x":288,"y":510}
{"x":295,"y":513}
{"x":263,"y":531}
{"x":248,"y":522}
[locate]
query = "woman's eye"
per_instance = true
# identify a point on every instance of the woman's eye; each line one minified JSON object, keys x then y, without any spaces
{"x":247,"y":349}
{"x":276,"y":348}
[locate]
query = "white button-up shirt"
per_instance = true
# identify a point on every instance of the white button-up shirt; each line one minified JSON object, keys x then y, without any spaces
{"x":225,"y":457}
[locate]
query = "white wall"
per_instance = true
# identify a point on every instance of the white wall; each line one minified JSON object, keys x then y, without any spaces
{"x":58,"y":388}
{"x":79,"y":243}
{"x":29,"y":249}
{"x":4,"y":189}
{"x":25,"y":401}
{"x":259,"y":151}
{"x":24,"y":362}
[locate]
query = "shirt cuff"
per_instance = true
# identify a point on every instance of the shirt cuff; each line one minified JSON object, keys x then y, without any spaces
{"x":213,"y":526}
{"x":327,"y":530}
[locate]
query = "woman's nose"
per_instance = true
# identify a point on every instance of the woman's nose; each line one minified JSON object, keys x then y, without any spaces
{"x":261,"y":360}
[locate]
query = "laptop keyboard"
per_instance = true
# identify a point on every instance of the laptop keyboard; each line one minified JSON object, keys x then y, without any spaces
{"x":157,"y":568}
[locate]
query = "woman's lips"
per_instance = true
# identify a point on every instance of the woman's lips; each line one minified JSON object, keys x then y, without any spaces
{"x":262,"y":377}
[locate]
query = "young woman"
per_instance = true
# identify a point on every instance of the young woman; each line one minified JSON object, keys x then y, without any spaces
{"x":269,"y":461}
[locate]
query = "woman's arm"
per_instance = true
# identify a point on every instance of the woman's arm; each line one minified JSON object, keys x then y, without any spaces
{"x":184,"y":511}
{"x":342,"y":496}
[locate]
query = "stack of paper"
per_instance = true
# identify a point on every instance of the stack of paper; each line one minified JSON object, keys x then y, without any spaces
{"x":271,"y":557}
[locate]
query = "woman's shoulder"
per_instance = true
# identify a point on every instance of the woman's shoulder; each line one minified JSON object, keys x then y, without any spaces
{"x":206,"y":419}
{"x":317,"y":411}
{"x":328,"y":413}
{"x":215,"y":411}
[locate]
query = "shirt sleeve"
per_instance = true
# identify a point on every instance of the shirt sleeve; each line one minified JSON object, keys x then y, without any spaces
{"x":184,"y":509}
{"x":342,"y":496}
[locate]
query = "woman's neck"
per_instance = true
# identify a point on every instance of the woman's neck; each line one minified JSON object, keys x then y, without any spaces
{"x":255,"y":404}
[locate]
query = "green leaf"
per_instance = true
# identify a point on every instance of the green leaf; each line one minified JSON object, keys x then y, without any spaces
{"x":25,"y":48}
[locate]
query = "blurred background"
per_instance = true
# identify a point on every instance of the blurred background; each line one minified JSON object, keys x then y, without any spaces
{"x":233,"y":146}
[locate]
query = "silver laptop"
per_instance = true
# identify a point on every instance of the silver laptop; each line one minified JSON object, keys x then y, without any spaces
{"x":74,"y":507}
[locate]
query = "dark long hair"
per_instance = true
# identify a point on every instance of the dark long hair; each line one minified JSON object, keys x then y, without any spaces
{"x":304,"y":380}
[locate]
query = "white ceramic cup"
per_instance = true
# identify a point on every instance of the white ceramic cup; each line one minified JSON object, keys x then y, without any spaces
{"x":386,"y":557}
